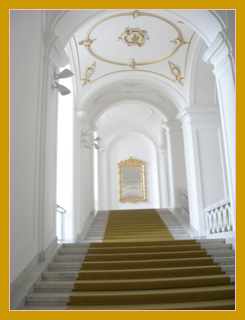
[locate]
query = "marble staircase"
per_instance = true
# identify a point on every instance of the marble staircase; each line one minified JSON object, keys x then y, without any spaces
{"x":53,"y":291}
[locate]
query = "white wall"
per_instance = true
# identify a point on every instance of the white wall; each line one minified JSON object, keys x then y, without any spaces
{"x":129,"y":144}
{"x":25,"y":69}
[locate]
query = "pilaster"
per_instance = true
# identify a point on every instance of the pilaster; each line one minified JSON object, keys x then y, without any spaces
{"x":221,"y":55}
{"x":203,"y":154}
{"x":176,"y":161}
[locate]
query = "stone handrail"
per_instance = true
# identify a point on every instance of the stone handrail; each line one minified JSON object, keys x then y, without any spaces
{"x":218,"y":217}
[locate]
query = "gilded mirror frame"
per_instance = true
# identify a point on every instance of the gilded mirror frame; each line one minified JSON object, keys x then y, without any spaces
{"x":131,"y":162}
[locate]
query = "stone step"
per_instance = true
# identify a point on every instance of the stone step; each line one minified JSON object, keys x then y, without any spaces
{"x":60,"y":275}
{"x":48,"y":298}
{"x":54,"y":286}
{"x":222,"y":304}
{"x":224,"y":260}
{"x":72,"y":245}
{"x":148,"y":283}
{"x":94,"y":238}
{"x":72,"y":251}
{"x":153,"y":296}
{"x":65,"y":266}
{"x":45,"y":307}
{"x":221,"y":253}
{"x":69,"y":258}
{"x":228,"y":269}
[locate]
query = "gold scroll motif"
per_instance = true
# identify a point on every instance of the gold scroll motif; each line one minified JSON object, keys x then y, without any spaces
{"x":176,"y":72}
{"x":134,"y":36}
{"x":86,"y":42}
{"x":88,"y":73}
{"x":135,"y":13}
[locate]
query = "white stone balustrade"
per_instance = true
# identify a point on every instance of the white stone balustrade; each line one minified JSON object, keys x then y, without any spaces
{"x":184,"y":201}
{"x":219,"y":217}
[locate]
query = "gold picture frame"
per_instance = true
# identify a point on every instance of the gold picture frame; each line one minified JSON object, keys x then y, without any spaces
{"x":132,"y":180}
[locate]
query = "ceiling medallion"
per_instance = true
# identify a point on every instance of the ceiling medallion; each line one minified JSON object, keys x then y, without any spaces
{"x":179,"y":41}
{"x":88,"y":73}
{"x":134,"y":36}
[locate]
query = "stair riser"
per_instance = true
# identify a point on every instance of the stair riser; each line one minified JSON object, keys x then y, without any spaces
{"x":147,"y":264}
{"x":145,"y":243}
{"x":72,"y":252}
{"x":158,"y":284}
{"x":60,"y":276}
{"x":169,"y":255}
{"x":54,"y":288}
{"x":155,"y":273}
{"x":64,"y":267}
{"x":142,"y":249}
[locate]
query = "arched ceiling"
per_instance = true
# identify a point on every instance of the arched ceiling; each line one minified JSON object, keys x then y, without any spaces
{"x":132,"y":44}
{"x":138,"y":55}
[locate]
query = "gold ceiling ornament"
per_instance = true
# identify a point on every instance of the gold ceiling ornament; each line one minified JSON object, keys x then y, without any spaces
{"x":132,"y":63}
{"x":135,"y":70}
{"x":86,"y":42}
{"x":179,"y":41}
{"x":135,"y":14}
{"x":88,"y":73}
{"x":134,"y":36}
{"x":176,"y":72}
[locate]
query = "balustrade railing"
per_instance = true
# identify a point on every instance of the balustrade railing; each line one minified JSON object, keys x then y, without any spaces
{"x":184,"y":201}
{"x":218,"y":217}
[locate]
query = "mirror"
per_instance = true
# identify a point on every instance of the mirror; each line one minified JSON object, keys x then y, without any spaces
{"x":132,"y":180}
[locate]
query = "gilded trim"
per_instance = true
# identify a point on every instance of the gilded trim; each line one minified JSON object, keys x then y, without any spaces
{"x":131,"y":63}
{"x":134,"y":36}
{"x":131,"y":162}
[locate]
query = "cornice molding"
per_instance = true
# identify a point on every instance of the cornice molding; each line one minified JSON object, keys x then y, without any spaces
{"x":54,"y":50}
{"x":199,"y":116}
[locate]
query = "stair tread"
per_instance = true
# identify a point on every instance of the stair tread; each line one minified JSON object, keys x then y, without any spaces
{"x":207,"y":304}
{"x":153,"y":291}
{"x":154,"y":279}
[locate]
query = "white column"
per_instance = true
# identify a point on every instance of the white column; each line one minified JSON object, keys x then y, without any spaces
{"x":221,"y":55}
{"x":204,"y":164}
{"x":176,"y":161}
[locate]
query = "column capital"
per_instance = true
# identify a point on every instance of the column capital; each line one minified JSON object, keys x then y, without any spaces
{"x":172,"y":125}
{"x":54,"y":51}
{"x":220,"y":51}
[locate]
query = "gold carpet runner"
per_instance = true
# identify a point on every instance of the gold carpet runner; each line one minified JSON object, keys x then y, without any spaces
{"x":137,"y":271}
{"x":132,"y":225}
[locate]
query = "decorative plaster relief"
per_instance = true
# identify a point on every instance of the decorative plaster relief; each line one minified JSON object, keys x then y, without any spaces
{"x":170,"y":42}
